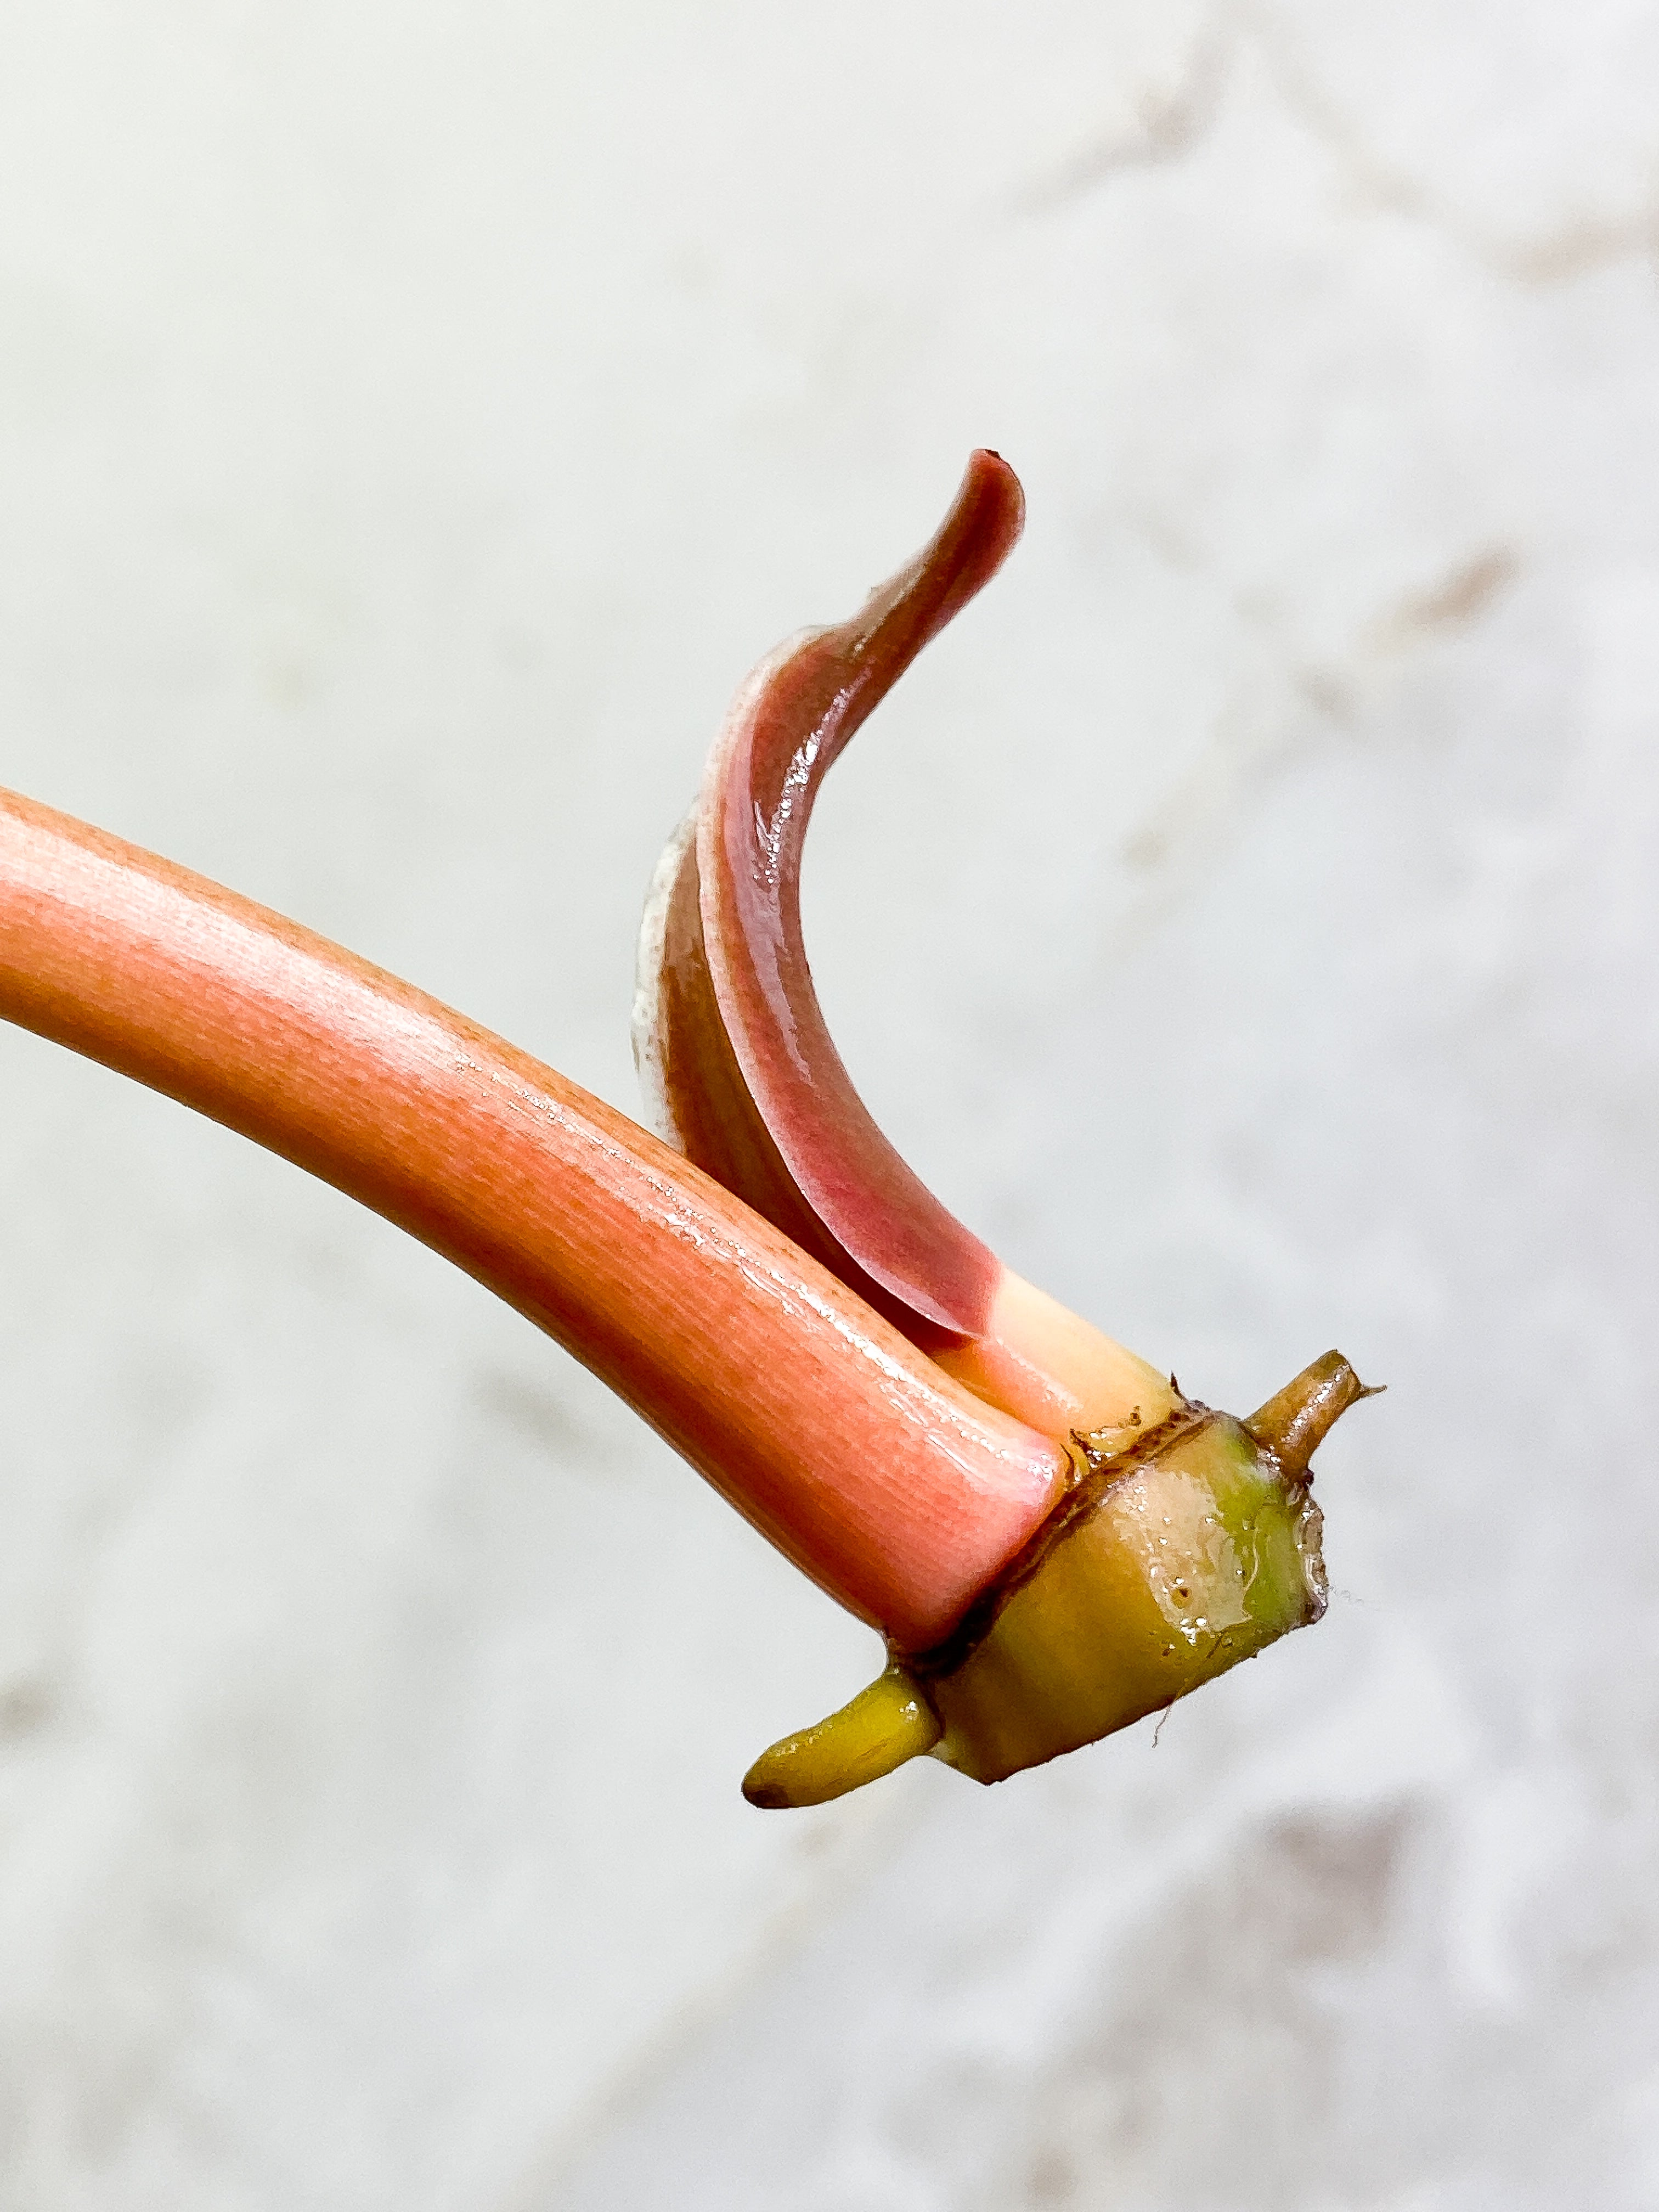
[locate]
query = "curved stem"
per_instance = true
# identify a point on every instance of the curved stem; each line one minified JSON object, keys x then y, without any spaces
{"x":899,"y":1493}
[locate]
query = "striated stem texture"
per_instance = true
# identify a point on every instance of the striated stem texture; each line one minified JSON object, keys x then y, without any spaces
{"x":898,"y":1492}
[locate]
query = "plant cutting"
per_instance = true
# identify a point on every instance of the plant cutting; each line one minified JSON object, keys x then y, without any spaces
{"x":1052,"y":1540}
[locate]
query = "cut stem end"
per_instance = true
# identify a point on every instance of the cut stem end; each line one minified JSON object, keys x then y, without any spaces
{"x":1175,"y":1554}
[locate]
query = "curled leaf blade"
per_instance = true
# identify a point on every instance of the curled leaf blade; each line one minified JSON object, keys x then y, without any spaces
{"x":729,"y":1031}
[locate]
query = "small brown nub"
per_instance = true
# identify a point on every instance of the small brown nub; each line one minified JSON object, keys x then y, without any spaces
{"x":1296,"y":1420}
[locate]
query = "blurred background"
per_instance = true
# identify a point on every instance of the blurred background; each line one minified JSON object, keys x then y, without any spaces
{"x":414,"y":421}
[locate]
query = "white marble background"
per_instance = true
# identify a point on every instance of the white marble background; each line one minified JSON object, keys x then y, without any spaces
{"x":413,"y":420}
